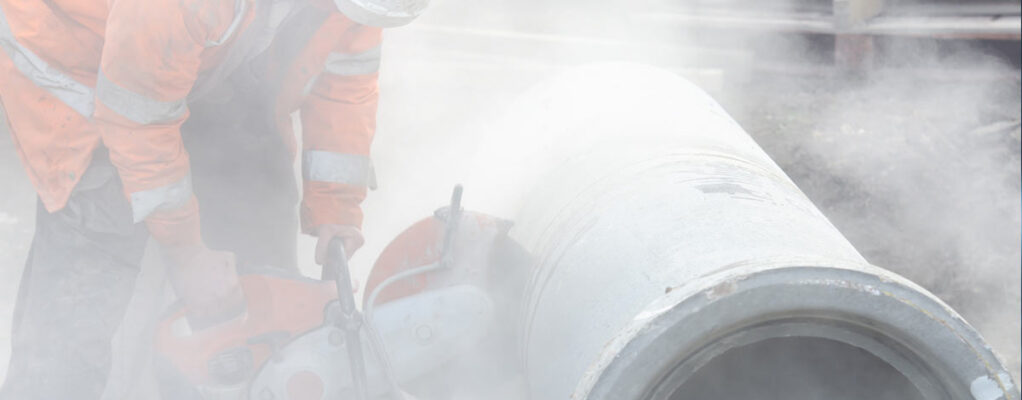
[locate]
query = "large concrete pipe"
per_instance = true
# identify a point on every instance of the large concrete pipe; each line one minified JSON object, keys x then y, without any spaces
{"x":675,"y":260}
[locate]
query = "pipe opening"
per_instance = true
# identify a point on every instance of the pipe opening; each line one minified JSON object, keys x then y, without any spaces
{"x":792,"y":368}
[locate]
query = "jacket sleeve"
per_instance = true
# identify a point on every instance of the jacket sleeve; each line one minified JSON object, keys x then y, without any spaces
{"x":338,"y":123}
{"x":150,"y":61}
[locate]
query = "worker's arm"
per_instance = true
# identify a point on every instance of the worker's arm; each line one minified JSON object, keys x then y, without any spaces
{"x":149,"y":63}
{"x":338,"y":123}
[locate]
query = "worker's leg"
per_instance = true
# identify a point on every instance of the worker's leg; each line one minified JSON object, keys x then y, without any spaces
{"x":243,"y":177}
{"x":77,"y":281}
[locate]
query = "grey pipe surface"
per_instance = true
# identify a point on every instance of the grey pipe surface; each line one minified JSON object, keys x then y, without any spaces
{"x":667,"y":242}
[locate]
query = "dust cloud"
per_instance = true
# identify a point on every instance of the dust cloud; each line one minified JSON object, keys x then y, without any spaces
{"x":918,"y":165}
{"x":916,"y":162}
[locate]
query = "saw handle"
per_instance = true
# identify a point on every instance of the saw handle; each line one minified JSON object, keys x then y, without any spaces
{"x":350,"y":319}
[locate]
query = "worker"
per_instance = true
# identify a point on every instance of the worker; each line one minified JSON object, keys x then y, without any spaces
{"x":171,"y":120}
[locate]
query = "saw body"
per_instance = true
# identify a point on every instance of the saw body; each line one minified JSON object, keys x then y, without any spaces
{"x":427,"y":304}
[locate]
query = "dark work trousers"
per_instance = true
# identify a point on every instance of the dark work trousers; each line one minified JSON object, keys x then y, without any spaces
{"x":244,"y":179}
{"x":77,"y":281}
{"x":242,"y":171}
{"x":85,"y":258}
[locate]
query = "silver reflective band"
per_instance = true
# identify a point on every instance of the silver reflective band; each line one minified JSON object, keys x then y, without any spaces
{"x":70,"y":92}
{"x":364,"y":63}
{"x":136,"y":107}
{"x":240,"y":7}
{"x":309,"y":85}
{"x":381,"y":13}
{"x":349,"y":169}
{"x":165,"y":197}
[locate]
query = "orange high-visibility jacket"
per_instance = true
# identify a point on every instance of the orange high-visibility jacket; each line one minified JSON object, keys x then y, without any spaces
{"x":77,"y":73}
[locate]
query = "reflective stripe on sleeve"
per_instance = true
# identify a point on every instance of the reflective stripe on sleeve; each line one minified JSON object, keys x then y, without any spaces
{"x":364,"y":63}
{"x":349,"y":169}
{"x":169,"y":196}
{"x":136,"y":107}
{"x":309,"y":85}
{"x":240,"y":7}
{"x":72,"y":93}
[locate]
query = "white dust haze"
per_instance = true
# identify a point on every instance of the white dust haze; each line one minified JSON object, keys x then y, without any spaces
{"x":916,"y":162}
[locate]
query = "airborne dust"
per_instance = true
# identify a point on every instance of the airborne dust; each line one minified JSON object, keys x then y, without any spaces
{"x":917,"y":163}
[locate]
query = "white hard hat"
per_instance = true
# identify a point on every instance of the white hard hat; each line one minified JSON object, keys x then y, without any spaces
{"x":382,"y":13}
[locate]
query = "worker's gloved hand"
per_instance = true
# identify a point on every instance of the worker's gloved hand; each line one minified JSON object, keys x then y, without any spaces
{"x":206,"y":281}
{"x":350,"y":235}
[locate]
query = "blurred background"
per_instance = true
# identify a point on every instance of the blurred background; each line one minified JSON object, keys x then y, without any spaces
{"x":900,"y":119}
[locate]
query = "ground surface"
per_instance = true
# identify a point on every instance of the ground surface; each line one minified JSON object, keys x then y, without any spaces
{"x":912,"y":179}
{"x":921,"y":174}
